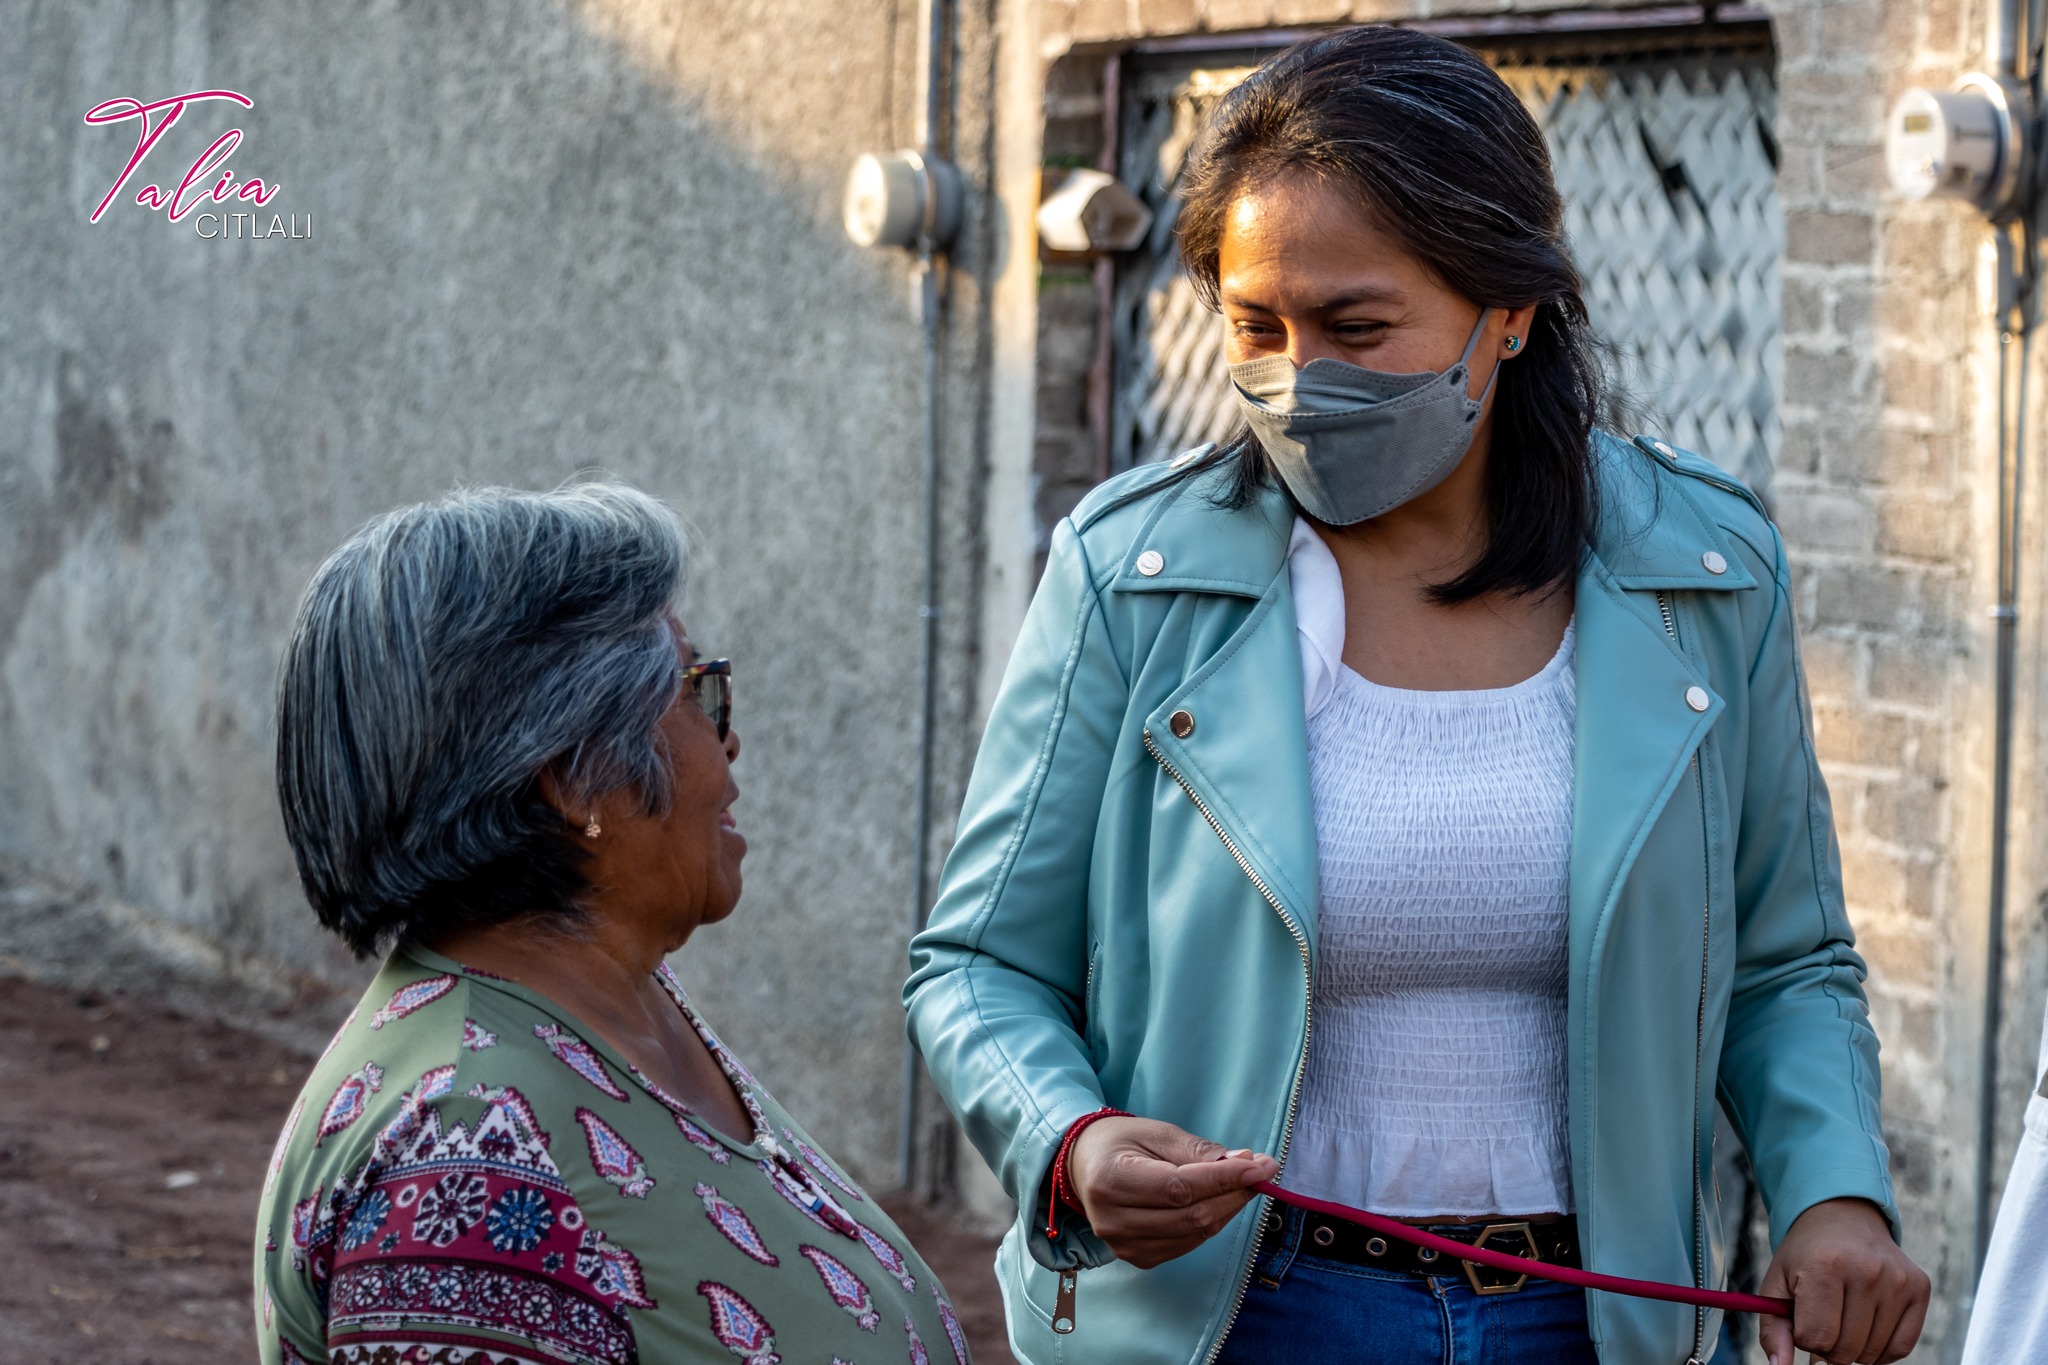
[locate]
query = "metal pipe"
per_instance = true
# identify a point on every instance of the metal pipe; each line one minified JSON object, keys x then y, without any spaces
{"x":2018,"y":264}
{"x":2005,"y":649}
{"x":1102,"y":369}
{"x":2013,"y":30}
{"x":935,"y":34}
{"x":2005,"y":38}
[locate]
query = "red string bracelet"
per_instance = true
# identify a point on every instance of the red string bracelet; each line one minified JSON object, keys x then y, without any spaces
{"x":1062,"y":1186}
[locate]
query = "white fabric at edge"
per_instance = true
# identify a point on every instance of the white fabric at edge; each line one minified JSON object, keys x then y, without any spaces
{"x":2010,"y":1320}
{"x":1318,"y":614}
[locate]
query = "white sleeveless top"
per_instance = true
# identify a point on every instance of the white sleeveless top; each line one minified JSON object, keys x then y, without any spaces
{"x":1436,"y":1067}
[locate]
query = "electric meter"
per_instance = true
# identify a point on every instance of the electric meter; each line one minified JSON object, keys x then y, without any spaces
{"x":1964,"y":143}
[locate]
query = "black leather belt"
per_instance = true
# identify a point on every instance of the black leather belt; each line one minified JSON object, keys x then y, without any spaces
{"x":1332,"y":1239}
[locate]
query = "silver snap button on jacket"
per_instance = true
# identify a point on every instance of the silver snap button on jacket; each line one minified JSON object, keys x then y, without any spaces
{"x":1696,"y":698}
{"x":1714,"y":562}
{"x":1150,"y":563}
{"x":1182,"y":723}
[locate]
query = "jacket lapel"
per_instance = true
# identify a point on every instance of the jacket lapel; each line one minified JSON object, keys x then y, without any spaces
{"x":1635,"y":737}
{"x":1241,"y":749}
{"x":1245,"y":759}
{"x":1636,"y":732}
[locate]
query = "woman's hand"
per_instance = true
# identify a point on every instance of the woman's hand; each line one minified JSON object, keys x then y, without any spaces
{"x":1855,"y":1295}
{"x":1153,"y":1192}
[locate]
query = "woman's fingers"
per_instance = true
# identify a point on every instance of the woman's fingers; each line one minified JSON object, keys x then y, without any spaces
{"x":1816,"y":1312}
{"x":1140,"y":1180}
{"x":1150,"y":1237}
{"x":1772,"y":1333}
{"x":1153,"y":1191}
{"x":1890,"y":1299}
{"x":1141,"y":1198}
{"x":1906,"y":1335}
{"x":1855,"y":1307}
{"x":1196,"y":1218}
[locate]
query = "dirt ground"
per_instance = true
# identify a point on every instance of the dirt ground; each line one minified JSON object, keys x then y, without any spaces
{"x":133,"y":1141}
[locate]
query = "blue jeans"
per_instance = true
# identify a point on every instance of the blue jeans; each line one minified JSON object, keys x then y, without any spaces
{"x":1303,"y":1310}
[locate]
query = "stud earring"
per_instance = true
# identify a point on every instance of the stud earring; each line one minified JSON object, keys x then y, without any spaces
{"x":593,"y":829}
{"x":1514,"y":344}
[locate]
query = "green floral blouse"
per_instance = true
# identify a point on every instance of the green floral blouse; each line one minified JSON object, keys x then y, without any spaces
{"x":472,"y":1177}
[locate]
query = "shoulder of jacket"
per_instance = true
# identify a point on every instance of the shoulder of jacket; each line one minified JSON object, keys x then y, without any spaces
{"x":1700,"y":470}
{"x":1730,"y":502}
{"x":1119,"y":511}
{"x":1136,"y":491}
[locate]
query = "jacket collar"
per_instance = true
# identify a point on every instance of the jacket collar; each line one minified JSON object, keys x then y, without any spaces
{"x":1192,"y":544}
{"x":1653,"y":534}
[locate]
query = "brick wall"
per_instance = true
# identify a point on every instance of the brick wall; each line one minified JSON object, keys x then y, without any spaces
{"x":1880,"y":310}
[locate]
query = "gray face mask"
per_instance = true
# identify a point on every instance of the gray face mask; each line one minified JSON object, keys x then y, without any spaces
{"x":1352,"y":443}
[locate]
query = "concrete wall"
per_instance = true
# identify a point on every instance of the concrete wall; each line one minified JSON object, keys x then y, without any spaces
{"x":547,"y":237}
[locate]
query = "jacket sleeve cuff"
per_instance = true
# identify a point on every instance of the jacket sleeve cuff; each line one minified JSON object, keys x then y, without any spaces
{"x":1802,"y":1192}
{"x":1078,"y":1248}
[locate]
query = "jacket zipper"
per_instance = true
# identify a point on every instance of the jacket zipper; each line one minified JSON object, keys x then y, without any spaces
{"x":1699,"y":1035}
{"x":1088,"y":986}
{"x":1244,"y":1278}
{"x":1088,"y":1010}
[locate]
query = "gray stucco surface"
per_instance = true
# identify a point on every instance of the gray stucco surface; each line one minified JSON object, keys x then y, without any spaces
{"x":547,"y":238}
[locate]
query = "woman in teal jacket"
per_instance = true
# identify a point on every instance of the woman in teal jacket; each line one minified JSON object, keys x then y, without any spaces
{"x":1174,"y":950}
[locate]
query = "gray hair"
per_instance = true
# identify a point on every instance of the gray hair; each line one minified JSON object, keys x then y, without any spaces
{"x":443,"y":659}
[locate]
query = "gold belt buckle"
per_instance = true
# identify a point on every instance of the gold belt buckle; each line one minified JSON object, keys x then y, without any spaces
{"x":1486,"y":1234}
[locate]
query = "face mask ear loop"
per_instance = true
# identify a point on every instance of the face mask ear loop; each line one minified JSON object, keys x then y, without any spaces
{"x":1471,"y":345}
{"x":1491,"y":380}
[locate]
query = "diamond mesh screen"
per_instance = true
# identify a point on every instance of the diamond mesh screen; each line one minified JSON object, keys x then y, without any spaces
{"x":1668,"y":170}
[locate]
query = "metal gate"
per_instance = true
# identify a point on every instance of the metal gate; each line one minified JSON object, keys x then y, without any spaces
{"x":1668,"y":168}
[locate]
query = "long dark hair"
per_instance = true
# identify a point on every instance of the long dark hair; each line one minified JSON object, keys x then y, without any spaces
{"x":1441,"y":154}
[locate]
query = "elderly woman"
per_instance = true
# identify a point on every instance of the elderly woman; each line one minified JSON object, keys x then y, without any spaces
{"x":503,"y":765}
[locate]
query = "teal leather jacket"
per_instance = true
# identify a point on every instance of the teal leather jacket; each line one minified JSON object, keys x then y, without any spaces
{"x":1128,"y":916}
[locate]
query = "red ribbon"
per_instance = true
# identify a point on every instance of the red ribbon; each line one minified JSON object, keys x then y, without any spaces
{"x":1522,"y":1265}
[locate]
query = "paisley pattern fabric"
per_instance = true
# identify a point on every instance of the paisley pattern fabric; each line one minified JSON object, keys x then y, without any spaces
{"x":480,"y":1185}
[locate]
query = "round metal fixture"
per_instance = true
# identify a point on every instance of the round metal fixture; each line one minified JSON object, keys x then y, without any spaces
{"x":1967,"y":143}
{"x":1324,"y":1237}
{"x":1182,"y":723}
{"x":902,"y":199}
